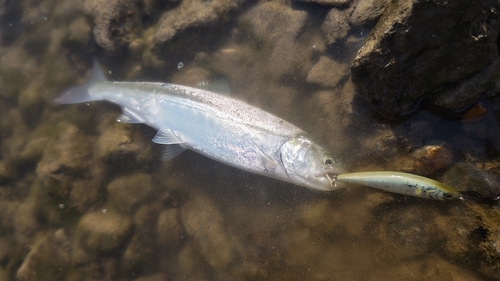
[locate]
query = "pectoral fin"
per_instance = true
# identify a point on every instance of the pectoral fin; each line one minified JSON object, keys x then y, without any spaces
{"x":220,"y":86}
{"x":167,"y":137}
{"x":267,"y":160}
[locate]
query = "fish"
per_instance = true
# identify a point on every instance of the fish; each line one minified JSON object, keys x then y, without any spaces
{"x":215,"y":125}
{"x":402,"y":183}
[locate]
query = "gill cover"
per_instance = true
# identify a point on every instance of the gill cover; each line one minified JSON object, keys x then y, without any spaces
{"x":308,"y":164}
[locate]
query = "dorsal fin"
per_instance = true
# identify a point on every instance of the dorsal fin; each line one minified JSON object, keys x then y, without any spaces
{"x":220,"y":86}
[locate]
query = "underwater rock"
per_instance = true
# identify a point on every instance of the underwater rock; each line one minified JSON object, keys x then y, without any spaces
{"x":121,"y":146}
{"x":190,"y":16}
{"x":103,"y":233}
{"x":463,"y":95}
{"x":204,"y":224}
{"x":68,"y":155}
{"x":7,"y":171}
{"x":470,"y":180}
{"x":325,"y":217}
{"x":48,"y":259}
{"x":459,"y":228}
{"x":431,"y":267}
{"x":86,"y":192}
{"x":116,"y":22}
{"x":146,"y":220}
{"x":277,"y":29}
{"x":79,"y":34}
{"x":26,"y":222}
{"x":426,"y":161}
{"x":138,"y":254}
{"x":318,"y":216}
{"x":190,"y":264}
{"x":14,"y":131}
{"x":128,"y":192}
{"x":155,"y":277}
{"x":5,"y":249}
{"x":422,"y":49}
{"x":327,"y":72}
{"x":405,"y":233}
{"x":170,"y":233}
{"x":336,"y":26}
{"x":488,"y":237}
{"x":334,"y":3}
{"x":367,"y":12}
{"x":144,"y":243}
{"x":65,"y":171}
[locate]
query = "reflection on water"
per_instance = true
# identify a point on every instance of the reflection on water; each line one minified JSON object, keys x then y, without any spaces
{"x":83,"y":197}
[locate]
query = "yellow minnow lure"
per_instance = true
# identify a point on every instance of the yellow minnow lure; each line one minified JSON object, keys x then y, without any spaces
{"x":402,"y":183}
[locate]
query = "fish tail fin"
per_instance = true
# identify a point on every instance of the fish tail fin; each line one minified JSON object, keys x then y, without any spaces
{"x":81,"y":93}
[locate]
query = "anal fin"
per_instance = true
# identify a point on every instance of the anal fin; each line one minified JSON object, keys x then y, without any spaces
{"x":171,"y":150}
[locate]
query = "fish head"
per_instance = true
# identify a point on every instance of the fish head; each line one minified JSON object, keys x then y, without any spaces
{"x":308,"y":164}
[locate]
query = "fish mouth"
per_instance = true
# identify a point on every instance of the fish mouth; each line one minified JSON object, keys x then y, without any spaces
{"x":330,"y":176}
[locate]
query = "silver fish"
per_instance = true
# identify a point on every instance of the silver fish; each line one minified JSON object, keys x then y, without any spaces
{"x":217,"y":126}
{"x":402,"y":183}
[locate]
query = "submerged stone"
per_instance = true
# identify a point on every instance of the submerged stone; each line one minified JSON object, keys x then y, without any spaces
{"x":327,"y":72}
{"x":104,"y":233}
{"x":470,"y":180}
{"x":426,"y":161}
{"x":48,"y":259}
{"x":428,"y":49}
{"x":128,"y":192}
{"x":367,"y":13}
{"x":277,"y":28}
{"x":204,"y":224}
{"x":174,"y":33}
{"x":170,"y":232}
{"x":333,"y":3}
{"x":115,"y":22}
{"x":335,"y":27}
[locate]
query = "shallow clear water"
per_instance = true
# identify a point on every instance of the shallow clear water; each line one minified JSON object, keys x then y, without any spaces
{"x":85,"y":198}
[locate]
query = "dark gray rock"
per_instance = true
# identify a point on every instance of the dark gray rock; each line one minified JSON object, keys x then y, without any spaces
{"x":426,"y":49}
{"x":470,"y":180}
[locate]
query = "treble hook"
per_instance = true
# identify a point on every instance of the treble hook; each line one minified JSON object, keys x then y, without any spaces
{"x":331,"y":179}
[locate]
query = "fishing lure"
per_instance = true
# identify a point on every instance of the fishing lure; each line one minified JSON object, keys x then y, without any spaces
{"x":401,"y":183}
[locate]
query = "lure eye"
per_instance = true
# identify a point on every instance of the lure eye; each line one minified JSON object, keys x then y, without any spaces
{"x":448,"y":196}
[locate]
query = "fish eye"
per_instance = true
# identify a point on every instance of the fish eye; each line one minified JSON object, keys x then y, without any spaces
{"x":327,"y":160}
